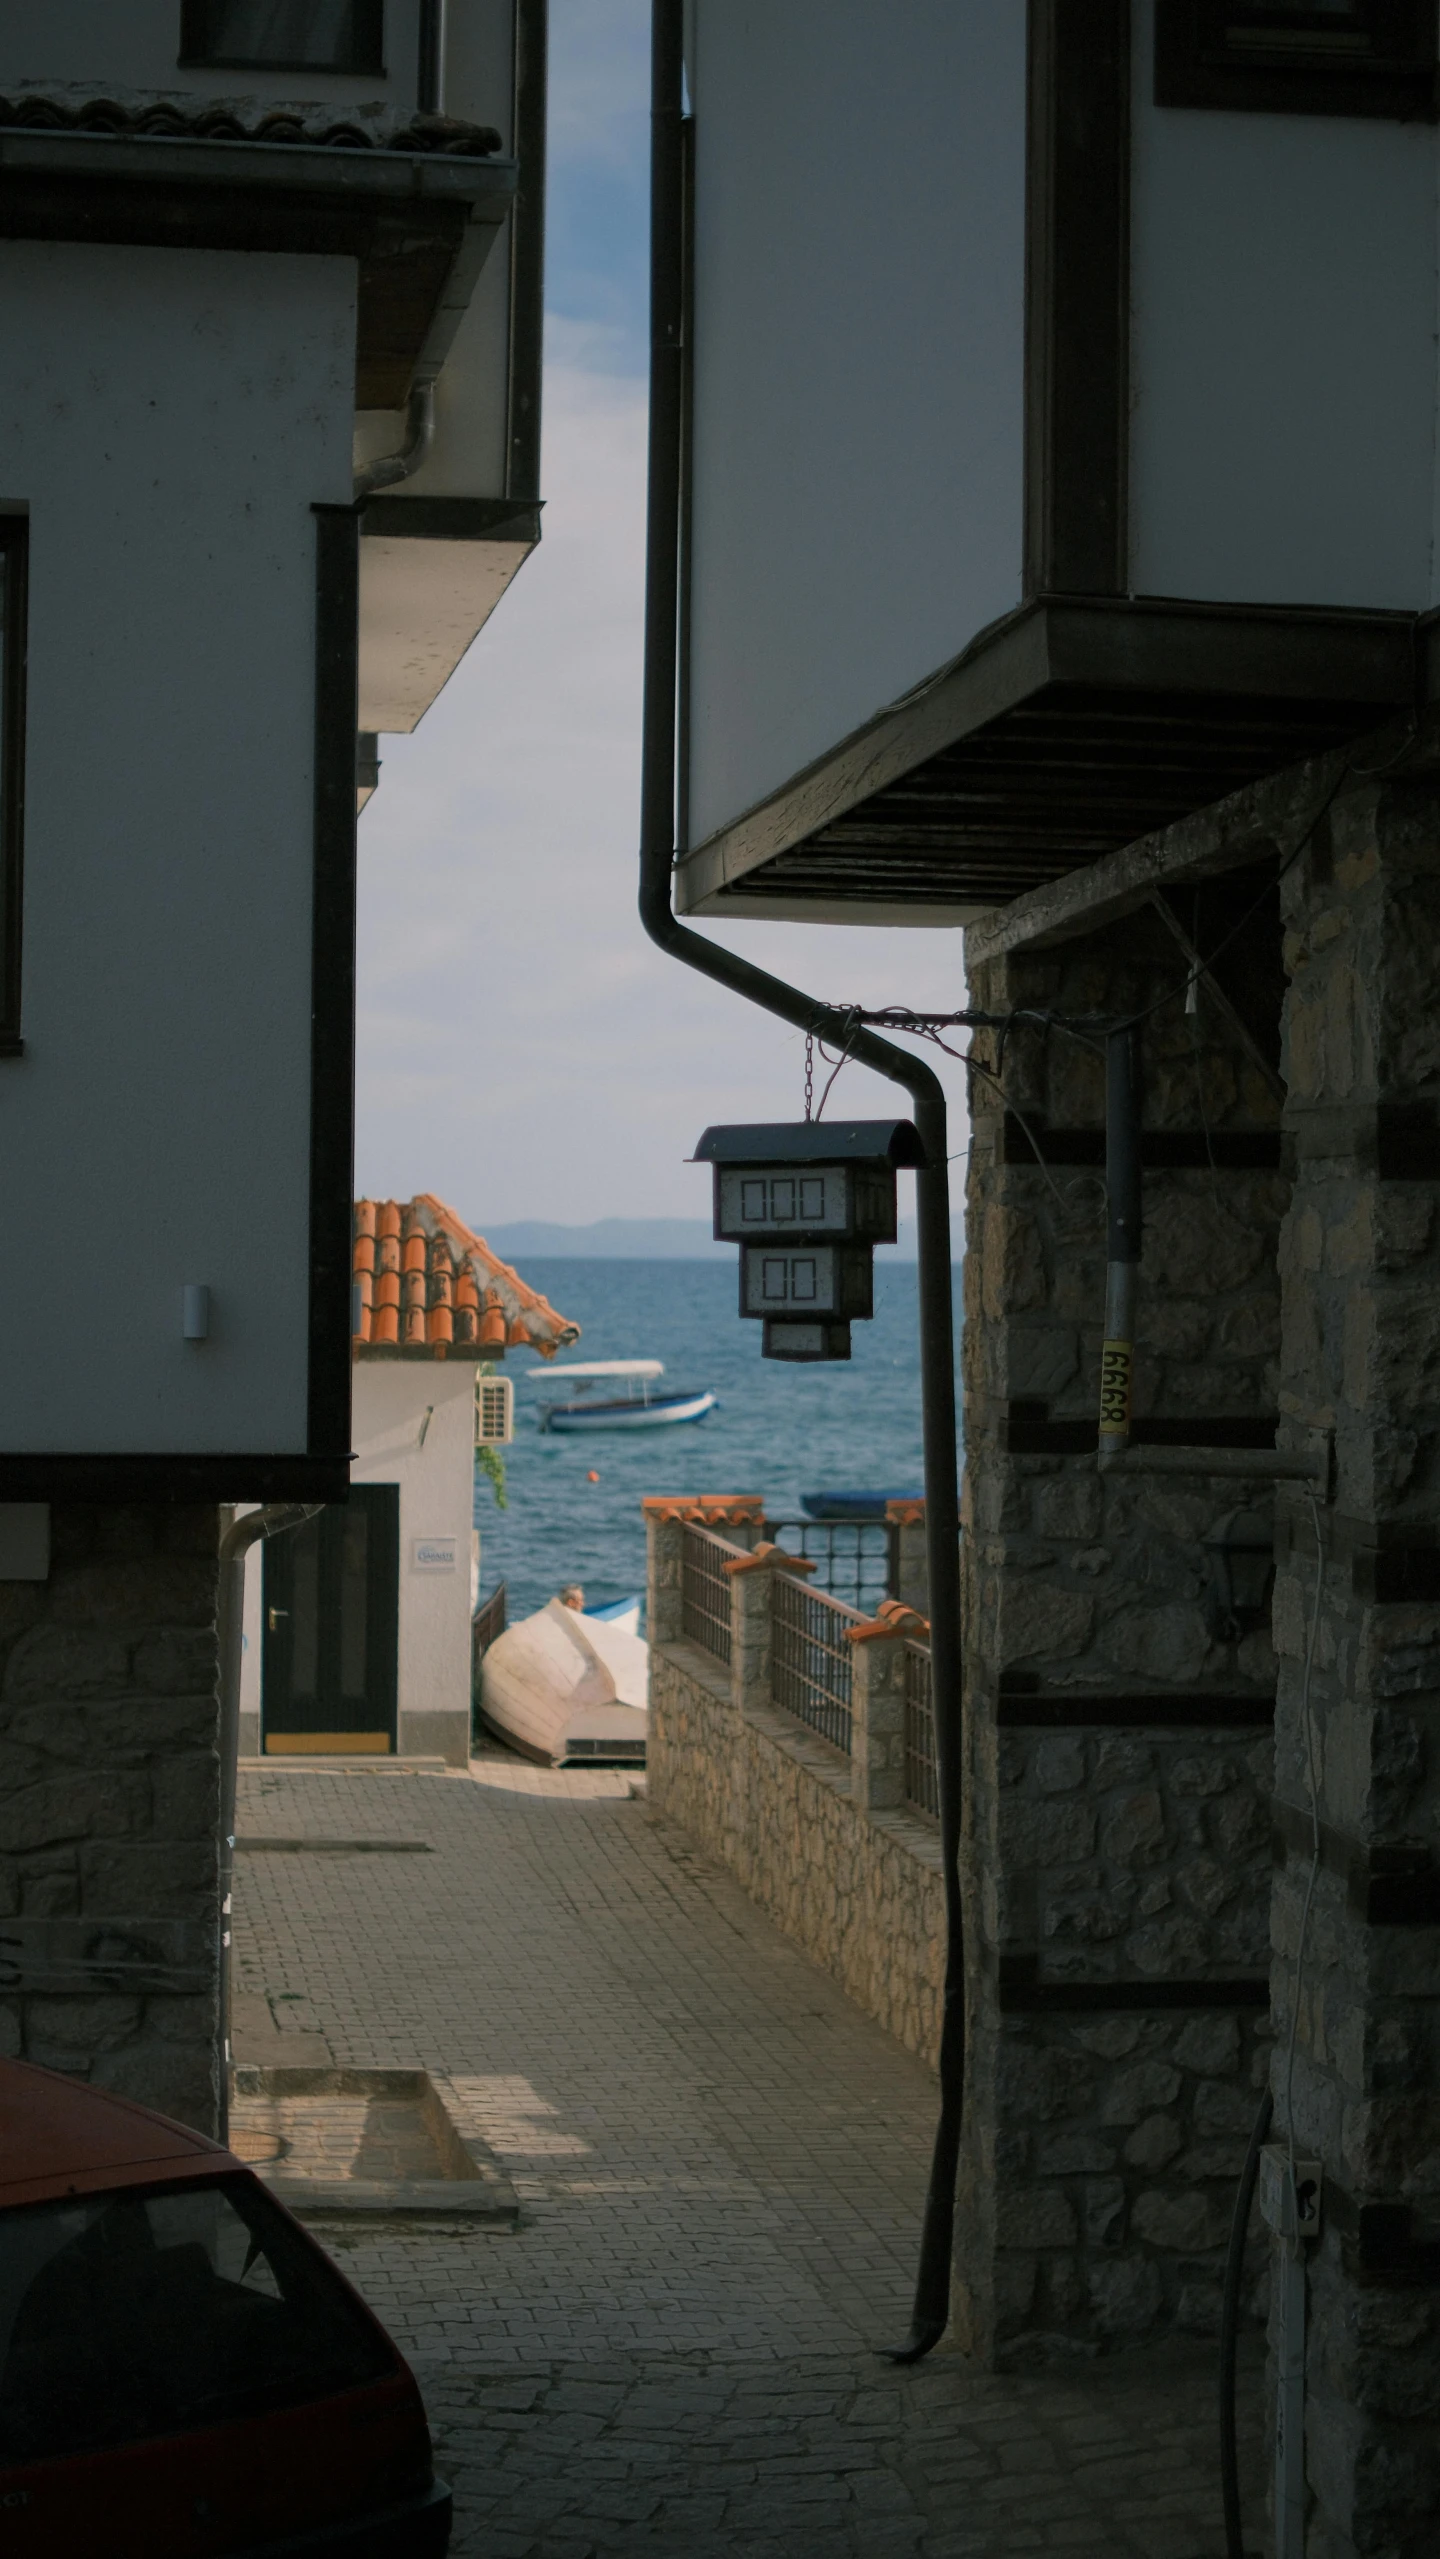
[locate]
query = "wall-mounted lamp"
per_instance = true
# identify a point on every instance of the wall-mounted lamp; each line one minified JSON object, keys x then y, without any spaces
{"x":1241,"y":1552}
{"x":195,"y":1311}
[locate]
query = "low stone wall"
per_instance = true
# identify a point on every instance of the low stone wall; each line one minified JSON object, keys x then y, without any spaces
{"x":859,"y":1890}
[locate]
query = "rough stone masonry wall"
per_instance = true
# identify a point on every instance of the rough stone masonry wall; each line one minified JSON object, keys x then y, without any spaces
{"x":1361,"y":1264}
{"x":1118,"y":1750}
{"x":109,"y":1806}
{"x":860,"y":1891}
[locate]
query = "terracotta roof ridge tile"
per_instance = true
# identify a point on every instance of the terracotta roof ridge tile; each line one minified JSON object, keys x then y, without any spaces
{"x":892,"y":1617}
{"x":767,"y":1556}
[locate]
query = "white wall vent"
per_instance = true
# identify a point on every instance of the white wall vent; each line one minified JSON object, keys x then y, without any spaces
{"x":494,"y":1411}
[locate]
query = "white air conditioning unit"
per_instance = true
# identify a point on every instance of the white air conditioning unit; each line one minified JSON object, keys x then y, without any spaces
{"x":494,"y":1412}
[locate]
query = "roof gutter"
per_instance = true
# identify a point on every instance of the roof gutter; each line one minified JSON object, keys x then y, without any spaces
{"x":669,"y":151}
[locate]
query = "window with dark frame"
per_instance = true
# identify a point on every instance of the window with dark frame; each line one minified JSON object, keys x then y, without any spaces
{"x":1298,"y":57}
{"x":284,"y":35}
{"x":13,"y":531}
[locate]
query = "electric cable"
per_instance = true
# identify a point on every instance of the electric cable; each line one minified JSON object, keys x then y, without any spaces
{"x":841,"y":1060}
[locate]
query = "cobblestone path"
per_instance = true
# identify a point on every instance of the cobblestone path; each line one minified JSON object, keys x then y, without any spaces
{"x":722,"y":2165}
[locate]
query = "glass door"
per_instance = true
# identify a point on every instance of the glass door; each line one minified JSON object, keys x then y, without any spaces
{"x":331,"y":1628}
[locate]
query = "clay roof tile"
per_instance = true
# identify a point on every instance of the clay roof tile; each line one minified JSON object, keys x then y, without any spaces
{"x":463,"y":1272}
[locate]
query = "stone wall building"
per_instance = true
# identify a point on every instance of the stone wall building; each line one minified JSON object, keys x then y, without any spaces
{"x":1127,"y":1878}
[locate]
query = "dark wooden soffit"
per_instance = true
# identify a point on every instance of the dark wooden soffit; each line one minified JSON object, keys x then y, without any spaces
{"x":1065,"y":733}
{"x":404,"y":218}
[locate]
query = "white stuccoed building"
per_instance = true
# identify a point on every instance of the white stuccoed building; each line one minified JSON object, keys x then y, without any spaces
{"x":269,"y":438}
{"x":358,"y":1626}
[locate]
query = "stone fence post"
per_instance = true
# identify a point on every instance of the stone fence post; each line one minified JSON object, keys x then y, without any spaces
{"x":912,"y":1576}
{"x":738,"y":1517}
{"x":752,"y":1584}
{"x":877,"y":1705}
{"x":665,"y":1555}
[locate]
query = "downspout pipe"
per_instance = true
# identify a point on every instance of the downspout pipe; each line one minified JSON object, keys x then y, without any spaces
{"x":430,"y":82}
{"x":272,"y":1519}
{"x":387,"y":468}
{"x":830,"y":1023}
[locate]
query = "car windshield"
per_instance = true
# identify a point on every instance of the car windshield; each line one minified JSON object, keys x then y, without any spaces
{"x":155,"y":2311}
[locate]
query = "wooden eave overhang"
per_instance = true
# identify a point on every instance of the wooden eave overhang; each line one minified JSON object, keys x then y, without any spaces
{"x":1064,"y":732}
{"x":411,"y":219}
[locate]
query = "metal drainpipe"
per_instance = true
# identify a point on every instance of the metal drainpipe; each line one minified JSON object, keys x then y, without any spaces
{"x":809,"y":1013}
{"x":387,"y":468}
{"x":430,"y":86}
{"x":271,"y":1520}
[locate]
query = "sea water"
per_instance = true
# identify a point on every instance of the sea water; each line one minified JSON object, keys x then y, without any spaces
{"x":781,"y":1429}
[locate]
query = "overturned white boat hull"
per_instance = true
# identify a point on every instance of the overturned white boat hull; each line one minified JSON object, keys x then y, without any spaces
{"x":559,"y":1686}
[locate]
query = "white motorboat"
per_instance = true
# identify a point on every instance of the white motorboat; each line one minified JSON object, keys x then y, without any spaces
{"x":561,"y":1686}
{"x":642,"y":1407}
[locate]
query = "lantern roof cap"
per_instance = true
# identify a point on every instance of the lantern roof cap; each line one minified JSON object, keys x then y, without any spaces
{"x":813,"y":1142}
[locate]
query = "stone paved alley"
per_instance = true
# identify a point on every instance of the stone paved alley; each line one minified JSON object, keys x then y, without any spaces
{"x":721,"y":2164}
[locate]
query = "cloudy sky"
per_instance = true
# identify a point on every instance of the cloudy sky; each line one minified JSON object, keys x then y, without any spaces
{"x":524,"y":1051}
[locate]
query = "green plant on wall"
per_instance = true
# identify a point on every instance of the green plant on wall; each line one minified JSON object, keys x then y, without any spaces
{"x":491,"y":1463}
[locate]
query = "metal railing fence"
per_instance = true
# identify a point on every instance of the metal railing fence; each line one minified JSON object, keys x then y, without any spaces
{"x":922,"y":1773}
{"x":855,"y":1559}
{"x":705,"y":1591}
{"x":810,"y":1660}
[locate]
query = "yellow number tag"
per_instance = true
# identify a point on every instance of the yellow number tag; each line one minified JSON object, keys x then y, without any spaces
{"x":1115,"y":1364}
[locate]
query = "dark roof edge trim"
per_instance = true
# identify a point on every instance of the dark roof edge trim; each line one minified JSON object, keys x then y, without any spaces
{"x":813,"y":1142}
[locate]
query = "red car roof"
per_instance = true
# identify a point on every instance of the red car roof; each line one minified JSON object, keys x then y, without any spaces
{"x":58,"y":2137}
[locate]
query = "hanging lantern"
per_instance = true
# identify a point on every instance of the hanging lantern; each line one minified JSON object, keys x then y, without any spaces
{"x":807,"y":1202}
{"x":1240,"y":1548}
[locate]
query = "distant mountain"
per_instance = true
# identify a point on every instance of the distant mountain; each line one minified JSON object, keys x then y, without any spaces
{"x":641,"y":1239}
{"x":610,"y":1239}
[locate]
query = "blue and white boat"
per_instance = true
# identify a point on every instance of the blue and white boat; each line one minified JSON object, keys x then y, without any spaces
{"x":624,"y":1613}
{"x":642,"y":1407}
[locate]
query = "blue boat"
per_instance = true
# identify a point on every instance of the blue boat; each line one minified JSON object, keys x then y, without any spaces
{"x":641,"y":1408}
{"x":614,"y":1612}
{"x":856,"y":1505}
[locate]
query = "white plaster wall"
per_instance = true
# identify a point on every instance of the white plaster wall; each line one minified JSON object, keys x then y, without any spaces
{"x":436,"y":1480}
{"x":169,"y":419}
{"x":133,"y":44}
{"x":858,"y":452}
{"x":1283,"y":354}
